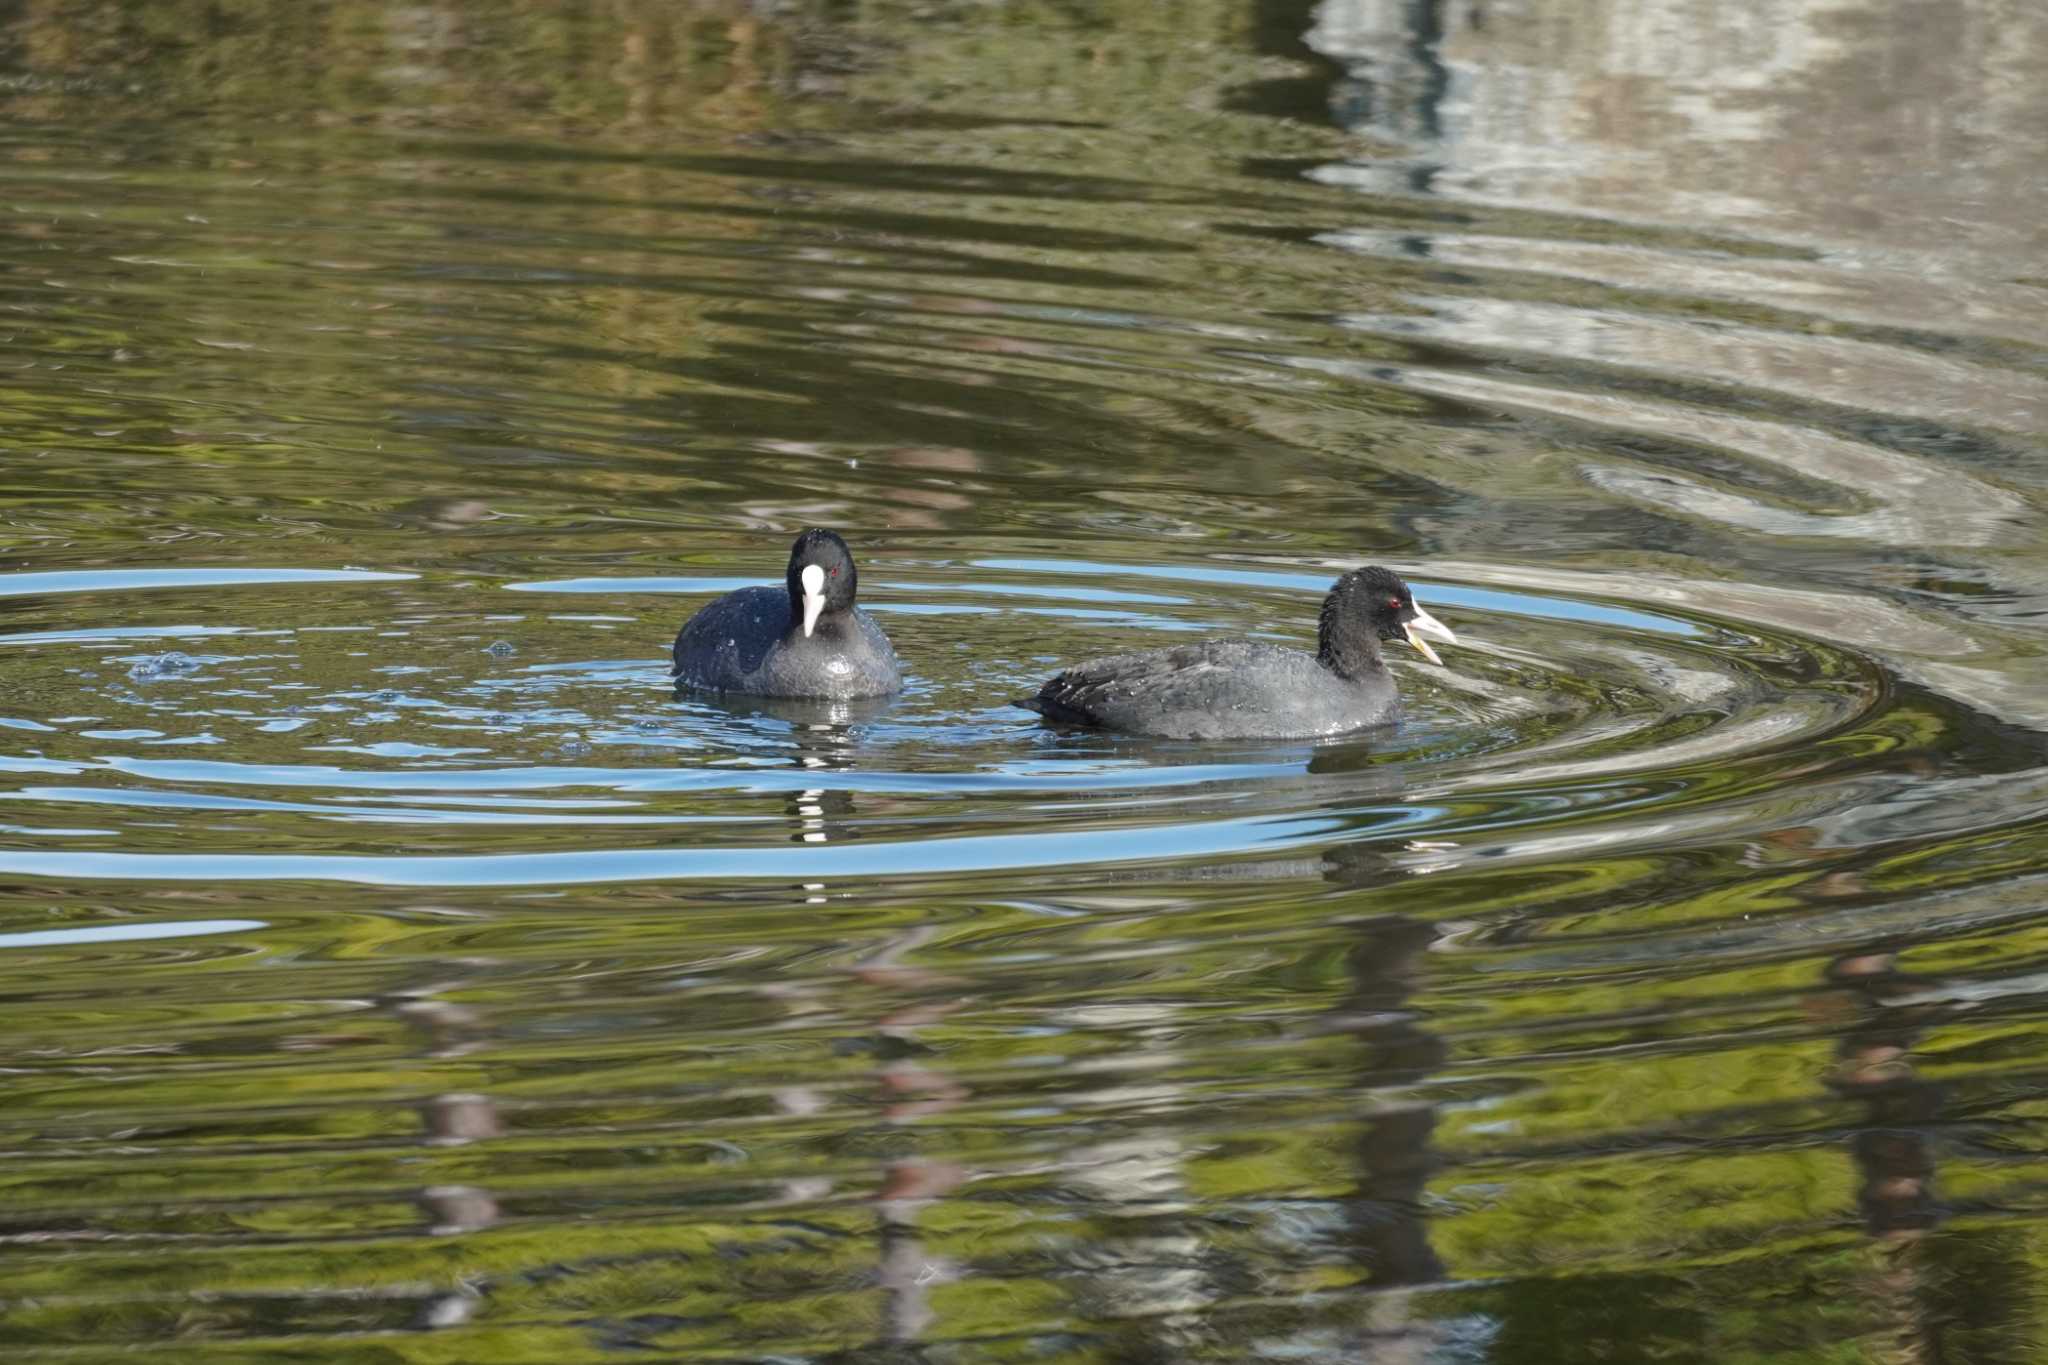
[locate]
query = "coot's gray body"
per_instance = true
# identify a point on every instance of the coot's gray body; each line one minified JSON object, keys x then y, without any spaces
{"x":804,"y":640}
{"x":1219,"y":689}
{"x":1246,"y":689}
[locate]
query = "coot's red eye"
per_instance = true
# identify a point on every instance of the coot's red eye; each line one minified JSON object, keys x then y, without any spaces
{"x":1394,"y":602}
{"x":834,"y":573}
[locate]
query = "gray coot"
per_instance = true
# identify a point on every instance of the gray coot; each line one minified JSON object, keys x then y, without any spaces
{"x":1244,"y":689}
{"x":806,"y":641}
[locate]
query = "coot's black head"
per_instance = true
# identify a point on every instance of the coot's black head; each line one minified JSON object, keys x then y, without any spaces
{"x":1365,"y":607}
{"x":822,"y":578}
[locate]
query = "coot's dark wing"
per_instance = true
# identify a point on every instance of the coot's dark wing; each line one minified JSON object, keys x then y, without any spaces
{"x":1076,"y":695}
{"x":1218,"y":687}
{"x":726,"y":641}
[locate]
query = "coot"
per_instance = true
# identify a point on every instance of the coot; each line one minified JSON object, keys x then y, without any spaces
{"x":1245,"y":689}
{"x":806,"y":641}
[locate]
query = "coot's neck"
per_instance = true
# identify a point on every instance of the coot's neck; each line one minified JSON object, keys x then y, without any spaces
{"x":1346,"y":642}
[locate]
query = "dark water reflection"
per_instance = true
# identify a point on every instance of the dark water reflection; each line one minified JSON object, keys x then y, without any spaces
{"x":395,"y":969}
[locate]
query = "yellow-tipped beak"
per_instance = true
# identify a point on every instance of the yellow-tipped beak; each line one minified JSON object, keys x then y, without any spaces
{"x":1424,"y":624}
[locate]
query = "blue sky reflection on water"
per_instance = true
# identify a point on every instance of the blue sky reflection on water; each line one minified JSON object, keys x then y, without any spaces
{"x":1479,"y":599}
{"x":974,"y":853}
{"x":134,"y":931}
{"x":133,"y":580}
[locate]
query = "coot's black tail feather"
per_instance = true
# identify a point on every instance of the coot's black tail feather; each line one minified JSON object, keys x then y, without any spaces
{"x":1055,"y":708}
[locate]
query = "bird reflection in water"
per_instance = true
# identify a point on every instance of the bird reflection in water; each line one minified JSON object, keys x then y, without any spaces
{"x":910,"y":1090}
{"x":1873,"y":1064}
{"x":1891,"y":1147}
{"x":1387,"y":1231}
{"x":824,"y":738}
{"x":1152,"y":1264}
{"x":454,"y":1119}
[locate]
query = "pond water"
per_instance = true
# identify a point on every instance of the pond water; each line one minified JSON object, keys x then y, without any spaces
{"x":395,"y":970}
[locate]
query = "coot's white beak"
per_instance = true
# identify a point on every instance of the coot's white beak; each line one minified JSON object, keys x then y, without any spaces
{"x":1427,"y":625}
{"x":813,"y":579}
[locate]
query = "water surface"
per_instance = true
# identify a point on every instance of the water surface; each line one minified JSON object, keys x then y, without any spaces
{"x":396,"y":970}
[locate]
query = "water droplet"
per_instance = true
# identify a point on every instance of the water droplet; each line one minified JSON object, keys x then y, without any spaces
{"x":170,"y":664}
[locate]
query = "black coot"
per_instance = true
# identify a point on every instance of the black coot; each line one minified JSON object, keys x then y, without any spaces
{"x":1243,"y":689}
{"x":807,"y":641}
